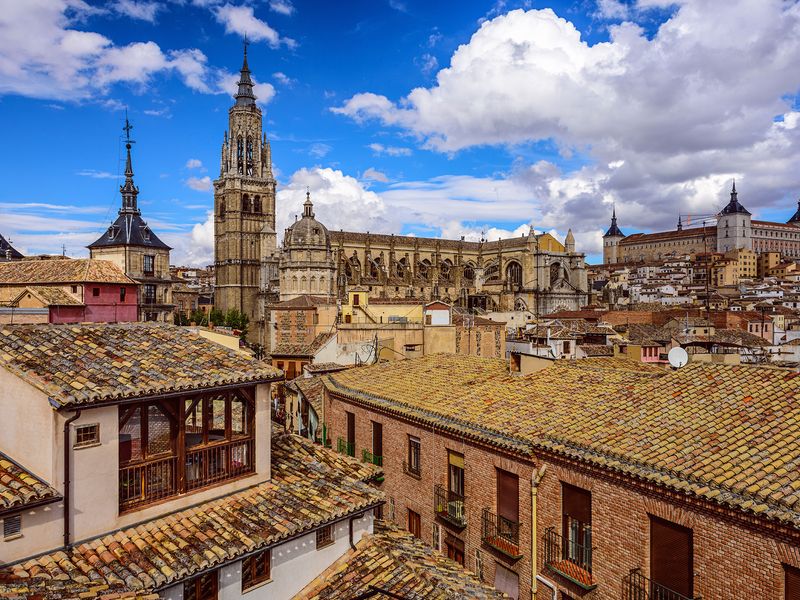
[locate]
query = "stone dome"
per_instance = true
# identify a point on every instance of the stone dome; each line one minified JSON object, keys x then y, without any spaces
{"x":307,"y":232}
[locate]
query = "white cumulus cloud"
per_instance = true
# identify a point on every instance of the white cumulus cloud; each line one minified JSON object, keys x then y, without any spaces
{"x":194,"y":163}
{"x":389,"y":150}
{"x":200,"y":184}
{"x":241,"y":20}
{"x":283,"y":7}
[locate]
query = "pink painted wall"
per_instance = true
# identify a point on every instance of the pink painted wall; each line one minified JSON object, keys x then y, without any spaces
{"x":104,"y":308}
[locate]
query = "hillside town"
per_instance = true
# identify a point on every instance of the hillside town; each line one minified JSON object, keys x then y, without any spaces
{"x":325,"y":414}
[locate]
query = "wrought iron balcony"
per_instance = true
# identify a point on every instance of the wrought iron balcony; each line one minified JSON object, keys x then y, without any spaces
{"x":450,"y":506}
{"x":501,"y":534}
{"x":635,"y":586}
{"x":569,"y":559}
{"x":369,"y":457}
{"x":343,"y":447}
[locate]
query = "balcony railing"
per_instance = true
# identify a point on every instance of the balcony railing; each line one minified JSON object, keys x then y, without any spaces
{"x":501,"y":533}
{"x":635,"y":586}
{"x":450,"y":506}
{"x":158,"y":479}
{"x":148,"y":482}
{"x":369,"y":457}
{"x":412,"y":470}
{"x":344,"y":447}
{"x":220,"y":461}
{"x":569,"y":558}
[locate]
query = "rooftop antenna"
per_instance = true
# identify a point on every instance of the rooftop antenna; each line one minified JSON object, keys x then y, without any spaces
{"x":63,"y":250}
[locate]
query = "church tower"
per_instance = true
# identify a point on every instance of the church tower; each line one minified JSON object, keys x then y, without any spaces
{"x":245,"y":243}
{"x":611,"y":240}
{"x":734,"y":229}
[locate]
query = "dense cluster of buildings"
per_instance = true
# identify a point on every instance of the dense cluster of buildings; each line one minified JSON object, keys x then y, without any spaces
{"x":412,"y":418}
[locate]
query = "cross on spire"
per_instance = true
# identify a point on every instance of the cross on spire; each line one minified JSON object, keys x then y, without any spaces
{"x":127,"y":129}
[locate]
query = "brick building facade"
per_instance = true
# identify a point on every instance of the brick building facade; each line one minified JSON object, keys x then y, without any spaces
{"x":643,"y":483}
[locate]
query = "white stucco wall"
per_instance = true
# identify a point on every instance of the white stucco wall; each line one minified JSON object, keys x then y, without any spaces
{"x":42,"y":529}
{"x":294,"y":565}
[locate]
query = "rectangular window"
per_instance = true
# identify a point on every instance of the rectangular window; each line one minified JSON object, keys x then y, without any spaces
{"x":12,"y":527}
{"x":437,"y":537}
{"x":576,"y":521}
{"x":455,"y":481}
{"x":507,"y":497}
{"x":791,"y":576}
{"x":355,"y":300}
{"x":351,"y":433}
{"x":324,"y":536}
{"x":671,"y":557}
{"x":256,"y":569}
{"x":413,"y":464}
{"x":148,"y":294}
{"x":74,"y":289}
{"x":204,"y":587}
{"x":377,"y":441}
{"x":95,"y":292}
{"x":455,"y":549}
{"x":149,"y":263}
{"x":414,"y":524}
{"x":506,"y":580}
{"x":87,"y":435}
{"x":122,"y":292}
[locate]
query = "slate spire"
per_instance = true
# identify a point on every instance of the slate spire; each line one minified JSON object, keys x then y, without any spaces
{"x":245,"y":96}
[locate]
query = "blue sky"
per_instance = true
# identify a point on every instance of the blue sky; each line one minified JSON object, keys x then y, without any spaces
{"x":430,"y":118}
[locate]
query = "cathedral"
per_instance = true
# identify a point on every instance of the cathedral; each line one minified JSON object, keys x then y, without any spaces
{"x":534,"y":272}
{"x":734,"y":229}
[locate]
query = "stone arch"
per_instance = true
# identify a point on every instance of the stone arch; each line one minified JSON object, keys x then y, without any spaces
{"x":446,"y":268}
{"x":519,"y":304}
{"x":469,"y":271}
{"x":492,"y":270}
{"x":424,"y":268}
{"x":402,"y":267}
{"x":303,"y":284}
{"x":257,"y":204}
{"x":294,"y":283}
{"x":323,"y":285}
{"x":312,"y":284}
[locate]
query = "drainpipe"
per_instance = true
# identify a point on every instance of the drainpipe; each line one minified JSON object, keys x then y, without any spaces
{"x":536,"y":478}
{"x":67,"y":498}
{"x":353,"y":518}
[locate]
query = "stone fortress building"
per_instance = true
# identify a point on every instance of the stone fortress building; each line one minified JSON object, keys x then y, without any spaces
{"x":534,"y":272}
{"x":734,"y":229}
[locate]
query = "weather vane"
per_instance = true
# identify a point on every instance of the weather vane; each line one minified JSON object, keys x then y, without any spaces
{"x":127,"y":129}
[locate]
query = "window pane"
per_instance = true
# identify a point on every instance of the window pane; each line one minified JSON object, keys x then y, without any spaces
{"x":130,"y":436}
{"x":194,"y":422}
{"x":159,"y":431}
{"x":217,"y":407}
{"x":239,"y":417}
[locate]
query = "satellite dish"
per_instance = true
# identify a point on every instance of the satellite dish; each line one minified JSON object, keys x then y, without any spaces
{"x":678,"y":357}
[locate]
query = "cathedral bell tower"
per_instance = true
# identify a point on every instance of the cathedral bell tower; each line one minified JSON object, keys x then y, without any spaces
{"x":245,"y":244}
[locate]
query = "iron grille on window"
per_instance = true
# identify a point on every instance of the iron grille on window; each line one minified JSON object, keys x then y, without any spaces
{"x":324,"y":536}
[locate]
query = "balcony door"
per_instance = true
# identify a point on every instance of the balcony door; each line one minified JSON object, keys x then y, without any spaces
{"x":507,"y":503}
{"x":455,"y":480}
{"x":576,"y":504}
{"x":670,"y":559}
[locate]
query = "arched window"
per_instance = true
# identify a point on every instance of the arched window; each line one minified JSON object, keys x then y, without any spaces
{"x":514,"y":274}
{"x":245,"y":203}
{"x":239,"y":155}
{"x":424,"y":268}
{"x":401,"y":267}
{"x":469,"y":272}
{"x":312,"y":287}
{"x":257,"y":204}
{"x":249,"y":156}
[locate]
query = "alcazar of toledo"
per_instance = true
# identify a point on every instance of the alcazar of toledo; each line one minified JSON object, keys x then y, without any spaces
{"x":535,"y":272}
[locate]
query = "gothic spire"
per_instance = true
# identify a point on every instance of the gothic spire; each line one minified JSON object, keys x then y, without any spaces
{"x":733,"y":205}
{"x":680,"y":224}
{"x":614,"y":230}
{"x":128,"y":190}
{"x":244,"y":96}
{"x":796,"y":216}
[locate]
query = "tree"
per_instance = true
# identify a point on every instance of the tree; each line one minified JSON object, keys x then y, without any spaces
{"x":216,"y":317}
{"x":179,"y":318}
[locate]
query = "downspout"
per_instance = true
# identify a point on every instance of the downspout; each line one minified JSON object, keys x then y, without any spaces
{"x":350,"y":524}
{"x":536,"y":478}
{"x":67,"y":498}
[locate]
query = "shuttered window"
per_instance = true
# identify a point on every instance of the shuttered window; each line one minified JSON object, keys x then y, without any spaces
{"x":576,"y":503}
{"x":414,"y":524}
{"x":351,"y":428}
{"x":204,"y":587}
{"x":377,"y":439}
{"x":456,"y":479}
{"x":508,"y":495}
{"x":12,"y":526}
{"x":791,"y":583}
{"x":671,"y":556}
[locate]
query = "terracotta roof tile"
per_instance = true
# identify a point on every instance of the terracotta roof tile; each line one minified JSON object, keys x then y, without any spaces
{"x":715,"y":431}
{"x":304,"y":493}
{"x":74,"y":270}
{"x":89,"y":363}
{"x":303,"y":349}
{"x":304,"y":301}
{"x":395,"y":561}
{"x":20,"y":488}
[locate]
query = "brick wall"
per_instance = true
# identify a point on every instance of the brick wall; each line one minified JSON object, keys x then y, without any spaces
{"x":733,"y":557}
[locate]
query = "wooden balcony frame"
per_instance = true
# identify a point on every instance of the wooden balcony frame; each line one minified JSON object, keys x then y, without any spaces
{"x":150,"y":479}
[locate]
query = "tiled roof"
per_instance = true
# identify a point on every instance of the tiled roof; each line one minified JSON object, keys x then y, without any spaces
{"x":304,"y":301}
{"x":20,"y":488}
{"x":597,"y":349}
{"x":725,"y":433}
{"x":326,"y":367}
{"x":303,"y":494}
{"x":773,"y":224}
{"x":695,"y":232}
{"x":313,"y":389}
{"x":89,"y":363}
{"x":301,"y":447}
{"x":75,"y":270}
{"x":47,"y":295}
{"x":395,"y":561}
{"x":303,"y":349}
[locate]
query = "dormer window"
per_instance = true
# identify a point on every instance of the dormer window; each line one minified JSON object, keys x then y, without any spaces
{"x":146,"y":233}
{"x":112,"y":232}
